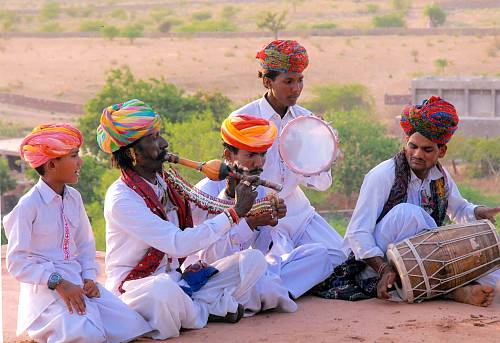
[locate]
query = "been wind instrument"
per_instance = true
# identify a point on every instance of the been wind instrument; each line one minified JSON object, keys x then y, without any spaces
{"x":217,"y":170}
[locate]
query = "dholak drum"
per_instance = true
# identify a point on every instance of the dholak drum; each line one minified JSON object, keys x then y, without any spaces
{"x":308,"y":145}
{"x":438,"y":261}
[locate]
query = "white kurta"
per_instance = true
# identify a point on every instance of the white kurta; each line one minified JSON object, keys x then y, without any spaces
{"x":295,"y":268}
{"x":131,"y":229}
{"x":35,"y":230}
{"x":367,"y":239}
{"x":302,"y":224}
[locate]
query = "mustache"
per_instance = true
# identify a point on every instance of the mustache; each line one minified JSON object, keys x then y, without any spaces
{"x":417,"y":160}
{"x":162,"y":156}
{"x":256,"y":171}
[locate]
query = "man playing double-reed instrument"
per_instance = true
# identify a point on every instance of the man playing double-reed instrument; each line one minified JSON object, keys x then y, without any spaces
{"x":246,"y":139}
{"x":149,"y":226}
{"x":411,"y":192}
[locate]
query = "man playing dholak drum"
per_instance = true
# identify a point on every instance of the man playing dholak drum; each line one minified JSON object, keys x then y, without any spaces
{"x":411,"y":192}
{"x":282,"y":63}
{"x":149,"y":226}
{"x":292,"y":269}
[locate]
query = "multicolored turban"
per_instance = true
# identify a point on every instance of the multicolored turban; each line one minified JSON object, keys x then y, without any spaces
{"x":283,"y":56}
{"x":435,"y":119}
{"x":123,"y":124}
{"x":49,"y":141}
{"x":248,"y":133}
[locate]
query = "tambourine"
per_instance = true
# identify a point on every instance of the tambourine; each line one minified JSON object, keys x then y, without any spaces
{"x":308,"y":145}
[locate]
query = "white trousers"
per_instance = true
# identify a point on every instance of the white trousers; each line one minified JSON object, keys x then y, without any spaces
{"x":406,"y":220}
{"x":107,"y":319}
{"x":166,"y":307}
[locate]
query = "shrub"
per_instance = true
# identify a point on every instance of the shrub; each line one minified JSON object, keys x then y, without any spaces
{"x":50,"y":10}
{"x":110,"y":32}
{"x":119,"y":13}
{"x":436,"y":15}
{"x":200,"y":16}
{"x":341,"y":98}
{"x":91,"y":26}
{"x":132,"y":32}
{"x":207,"y":26}
{"x":389,"y":20}
{"x":273,"y":21}
{"x":229,"y":12}
{"x":51,"y":27}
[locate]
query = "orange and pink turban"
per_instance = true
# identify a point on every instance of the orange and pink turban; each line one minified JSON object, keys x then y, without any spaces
{"x":248,"y":133}
{"x":124,"y":123}
{"x":435,"y":119}
{"x":49,"y":141}
{"x":283,"y":56}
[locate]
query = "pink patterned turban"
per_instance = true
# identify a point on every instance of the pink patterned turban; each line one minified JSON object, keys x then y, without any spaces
{"x":48,"y":141}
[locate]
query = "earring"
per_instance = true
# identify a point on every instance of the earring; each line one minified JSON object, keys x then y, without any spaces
{"x":133,"y":157}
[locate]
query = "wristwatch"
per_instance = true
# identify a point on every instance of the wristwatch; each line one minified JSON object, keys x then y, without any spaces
{"x":54,"y":280}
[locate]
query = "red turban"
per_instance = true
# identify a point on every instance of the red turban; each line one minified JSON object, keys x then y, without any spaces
{"x":248,"y":133}
{"x":435,"y":119}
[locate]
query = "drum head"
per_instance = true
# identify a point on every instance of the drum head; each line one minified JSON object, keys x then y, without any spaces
{"x":308,"y":145}
{"x":394,"y":258}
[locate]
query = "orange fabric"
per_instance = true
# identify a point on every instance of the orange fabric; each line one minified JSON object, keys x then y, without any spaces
{"x":248,"y":133}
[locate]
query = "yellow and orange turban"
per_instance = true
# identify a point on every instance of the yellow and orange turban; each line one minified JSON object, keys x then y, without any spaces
{"x":124,"y":123}
{"x":248,"y":133}
{"x":49,"y":141}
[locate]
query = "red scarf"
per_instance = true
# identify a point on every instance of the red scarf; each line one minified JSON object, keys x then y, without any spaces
{"x":151,"y":260}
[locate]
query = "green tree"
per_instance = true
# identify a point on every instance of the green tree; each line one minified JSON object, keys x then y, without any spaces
{"x":132,"y":32}
{"x":170,"y":102}
{"x":363,"y":147}
{"x":110,"y":32}
{"x":50,"y":10}
{"x":229,"y":12}
{"x":273,"y":21}
{"x":7,"y":182}
{"x":90,"y":176}
{"x":341,"y":98}
{"x":435,"y":14}
{"x":202,"y":15}
{"x":208,"y":146}
{"x":8,"y":20}
{"x":91,"y":26}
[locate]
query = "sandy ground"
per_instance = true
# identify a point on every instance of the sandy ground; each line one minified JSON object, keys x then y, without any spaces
{"x":74,"y":69}
{"x":320,"y":320}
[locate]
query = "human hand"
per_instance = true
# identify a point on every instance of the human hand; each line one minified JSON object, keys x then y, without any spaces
{"x":484,"y":212}
{"x":245,"y":195}
{"x":387,"y":279}
{"x":90,"y":289}
{"x":72,"y":296}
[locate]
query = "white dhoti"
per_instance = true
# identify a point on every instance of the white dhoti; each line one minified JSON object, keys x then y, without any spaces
{"x":107,"y":319}
{"x":304,"y":261}
{"x":166,"y":307}
{"x":405,"y":221}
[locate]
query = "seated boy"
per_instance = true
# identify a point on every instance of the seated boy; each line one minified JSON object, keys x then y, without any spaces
{"x":51,"y":251}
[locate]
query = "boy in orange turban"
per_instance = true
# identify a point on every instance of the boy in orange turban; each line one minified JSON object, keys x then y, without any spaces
{"x":51,"y":251}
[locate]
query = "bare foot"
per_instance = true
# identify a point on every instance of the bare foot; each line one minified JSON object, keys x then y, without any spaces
{"x":478,"y":295}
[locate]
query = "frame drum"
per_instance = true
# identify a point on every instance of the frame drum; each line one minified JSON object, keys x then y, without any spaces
{"x":308,"y":145}
{"x":436,"y":262}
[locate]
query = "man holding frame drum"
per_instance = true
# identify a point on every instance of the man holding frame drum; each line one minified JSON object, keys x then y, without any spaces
{"x":412,"y":192}
{"x":282,"y":63}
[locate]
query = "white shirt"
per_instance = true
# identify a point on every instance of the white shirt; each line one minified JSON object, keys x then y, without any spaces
{"x":299,"y":209}
{"x":35,"y":230}
{"x":373,"y":195}
{"x":131,"y":229}
{"x":239,"y":238}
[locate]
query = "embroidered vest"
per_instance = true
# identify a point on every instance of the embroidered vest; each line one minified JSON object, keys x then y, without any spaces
{"x":438,"y":203}
{"x":151,"y":260}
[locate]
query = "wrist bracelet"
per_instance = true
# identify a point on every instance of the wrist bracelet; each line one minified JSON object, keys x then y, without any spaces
{"x":234,"y":215}
{"x":381,"y":268}
{"x":228,"y":215}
